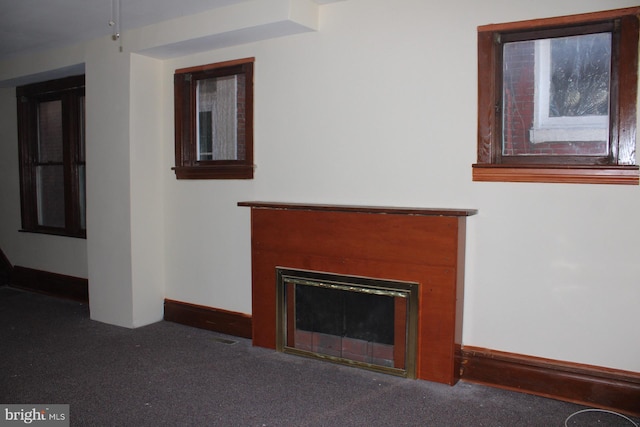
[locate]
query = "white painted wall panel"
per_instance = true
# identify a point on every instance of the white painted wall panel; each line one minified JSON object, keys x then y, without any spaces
{"x":377,"y":108}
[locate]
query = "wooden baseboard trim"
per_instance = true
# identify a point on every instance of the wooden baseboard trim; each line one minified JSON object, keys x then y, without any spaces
{"x":213,"y":319}
{"x":6,"y":269}
{"x":584,"y":384}
{"x":54,"y":284}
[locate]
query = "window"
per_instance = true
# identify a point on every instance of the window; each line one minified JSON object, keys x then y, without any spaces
{"x":214,"y":121}
{"x":51,"y":139}
{"x":572,"y":90}
{"x":557,"y":99}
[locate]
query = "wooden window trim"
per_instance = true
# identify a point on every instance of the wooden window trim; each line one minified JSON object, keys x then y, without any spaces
{"x":186,"y":164}
{"x":69,"y":90}
{"x":623,"y":126}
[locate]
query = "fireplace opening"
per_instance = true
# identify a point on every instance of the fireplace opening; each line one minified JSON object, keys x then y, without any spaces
{"x":364,"y":322}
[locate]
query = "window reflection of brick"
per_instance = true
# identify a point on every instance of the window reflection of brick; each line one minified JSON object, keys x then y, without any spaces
{"x":518,"y":105}
{"x":519,"y":89}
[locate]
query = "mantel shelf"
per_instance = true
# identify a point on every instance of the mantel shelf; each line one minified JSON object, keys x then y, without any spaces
{"x":390,"y":210}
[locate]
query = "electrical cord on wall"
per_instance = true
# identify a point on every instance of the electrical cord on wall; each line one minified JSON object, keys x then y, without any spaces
{"x":598,"y":410}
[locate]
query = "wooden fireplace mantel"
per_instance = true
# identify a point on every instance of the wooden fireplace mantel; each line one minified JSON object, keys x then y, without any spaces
{"x":420,"y":245}
{"x":361,"y":209}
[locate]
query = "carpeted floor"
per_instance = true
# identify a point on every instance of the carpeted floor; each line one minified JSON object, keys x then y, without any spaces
{"x":168,"y":374}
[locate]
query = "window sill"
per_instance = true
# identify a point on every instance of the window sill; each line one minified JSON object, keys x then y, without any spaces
{"x":621,"y":175}
{"x":214,"y":172}
{"x":568,"y":134}
{"x":81,"y":235}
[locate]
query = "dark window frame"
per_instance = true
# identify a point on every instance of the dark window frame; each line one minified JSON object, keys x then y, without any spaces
{"x":70,"y":91}
{"x":187,"y":166}
{"x":620,"y":167}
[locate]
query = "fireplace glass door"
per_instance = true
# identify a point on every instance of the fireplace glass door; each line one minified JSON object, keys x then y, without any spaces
{"x":370,"y":323}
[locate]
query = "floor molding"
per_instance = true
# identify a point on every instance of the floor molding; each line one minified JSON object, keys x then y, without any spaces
{"x":213,"y":319}
{"x":6,"y":268}
{"x":594,"y":386}
{"x":54,"y":284}
{"x":584,"y":384}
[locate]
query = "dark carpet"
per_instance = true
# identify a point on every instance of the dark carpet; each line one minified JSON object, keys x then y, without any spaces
{"x":168,"y":374}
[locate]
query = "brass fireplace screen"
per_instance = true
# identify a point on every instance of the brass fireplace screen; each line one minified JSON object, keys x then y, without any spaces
{"x":358,"y":321}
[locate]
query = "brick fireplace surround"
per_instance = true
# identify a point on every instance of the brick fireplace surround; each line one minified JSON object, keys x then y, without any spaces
{"x":419,"y":245}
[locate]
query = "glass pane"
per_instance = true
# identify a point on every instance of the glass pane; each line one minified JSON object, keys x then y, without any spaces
{"x":345,"y":314}
{"x":240,"y":135}
{"x":205,"y":135}
{"x":361,"y":327}
{"x":81,"y":142}
{"x":50,"y":195}
{"x":580,"y":68}
{"x":218,"y":119}
{"x":555,"y":96}
{"x":50,"y":131}
{"x":82,"y":196}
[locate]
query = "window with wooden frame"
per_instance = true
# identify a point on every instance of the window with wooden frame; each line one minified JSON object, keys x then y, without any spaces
{"x":557,"y":99}
{"x":214,"y":121}
{"x":51,"y":137}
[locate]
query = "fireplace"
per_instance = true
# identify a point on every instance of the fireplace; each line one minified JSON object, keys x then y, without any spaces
{"x":364,"y":322}
{"x":421,"y":246}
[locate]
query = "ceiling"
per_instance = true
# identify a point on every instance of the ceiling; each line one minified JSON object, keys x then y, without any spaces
{"x":28,"y":26}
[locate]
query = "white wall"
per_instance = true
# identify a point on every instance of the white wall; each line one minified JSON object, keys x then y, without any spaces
{"x":109,"y":209}
{"x":147,"y":214}
{"x":377,"y":108}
